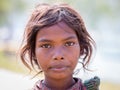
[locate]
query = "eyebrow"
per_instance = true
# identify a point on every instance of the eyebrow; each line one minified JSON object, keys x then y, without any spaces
{"x":71,"y":37}
{"x":45,"y":40}
{"x":48,"y":40}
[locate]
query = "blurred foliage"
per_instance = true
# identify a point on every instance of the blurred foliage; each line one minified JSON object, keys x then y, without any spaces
{"x":95,"y":10}
{"x":8,"y":7}
{"x":9,"y":61}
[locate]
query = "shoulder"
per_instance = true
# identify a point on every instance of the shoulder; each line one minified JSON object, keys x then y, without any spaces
{"x":92,"y":84}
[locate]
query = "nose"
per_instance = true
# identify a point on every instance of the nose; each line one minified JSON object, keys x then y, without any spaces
{"x":58,"y":54}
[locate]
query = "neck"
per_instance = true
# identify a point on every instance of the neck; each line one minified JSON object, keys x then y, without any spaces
{"x":59,"y":84}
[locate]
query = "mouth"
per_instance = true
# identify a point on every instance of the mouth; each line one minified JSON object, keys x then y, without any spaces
{"x":58,"y":68}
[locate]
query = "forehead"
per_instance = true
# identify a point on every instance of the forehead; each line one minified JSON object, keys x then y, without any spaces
{"x":59,"y":27}
{"x":59,"y":30}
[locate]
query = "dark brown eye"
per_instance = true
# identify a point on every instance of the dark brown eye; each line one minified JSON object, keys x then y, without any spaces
{"x":69,"y":43}
{"x":45,"y":46}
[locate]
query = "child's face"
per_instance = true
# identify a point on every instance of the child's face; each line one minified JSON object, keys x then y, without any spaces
{"x":57,"y":51}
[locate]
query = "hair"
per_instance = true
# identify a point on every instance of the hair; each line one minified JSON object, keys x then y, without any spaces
{"x":46,"y":15}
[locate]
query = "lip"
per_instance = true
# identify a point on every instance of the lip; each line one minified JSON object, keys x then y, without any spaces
{"x":58,"y":68}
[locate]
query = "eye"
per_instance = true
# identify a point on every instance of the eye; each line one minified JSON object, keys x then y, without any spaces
{"x":69,"y":43}
{"x":45,"y":46}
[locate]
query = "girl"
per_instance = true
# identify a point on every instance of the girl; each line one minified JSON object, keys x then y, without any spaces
{"x":55,"y":39}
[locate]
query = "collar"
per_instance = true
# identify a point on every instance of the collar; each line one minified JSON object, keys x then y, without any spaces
{"x":77,"y":86}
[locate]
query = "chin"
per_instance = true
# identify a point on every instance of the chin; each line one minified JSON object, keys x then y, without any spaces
{"x":59,"y":76}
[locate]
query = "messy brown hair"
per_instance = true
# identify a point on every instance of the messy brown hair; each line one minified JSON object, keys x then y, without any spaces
{"x":46,"y":15}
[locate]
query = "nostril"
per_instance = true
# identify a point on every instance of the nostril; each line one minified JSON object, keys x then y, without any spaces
{"x":62,"y":58}
{"x":57,"y":58}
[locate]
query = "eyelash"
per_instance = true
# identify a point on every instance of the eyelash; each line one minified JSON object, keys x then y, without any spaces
{"x":70,"y":43}
{"x":45,"y":46}
{"x":67,"y":44}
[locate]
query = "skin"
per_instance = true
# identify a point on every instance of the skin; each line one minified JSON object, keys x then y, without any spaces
{"x":57,"y":51}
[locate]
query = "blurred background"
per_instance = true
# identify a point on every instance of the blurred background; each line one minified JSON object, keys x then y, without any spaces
{"x":102,"y":19}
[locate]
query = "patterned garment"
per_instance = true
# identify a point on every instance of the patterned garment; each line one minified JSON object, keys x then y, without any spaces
{"x":91,"y":84}
{"x":77,"y":86}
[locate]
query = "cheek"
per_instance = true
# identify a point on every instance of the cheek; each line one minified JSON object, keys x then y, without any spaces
{"x":76,"y":51}
{"x":74,"y":55}
{"x":41,"y":58}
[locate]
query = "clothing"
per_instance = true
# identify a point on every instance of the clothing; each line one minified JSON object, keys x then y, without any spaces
{"x":91,"y":84}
